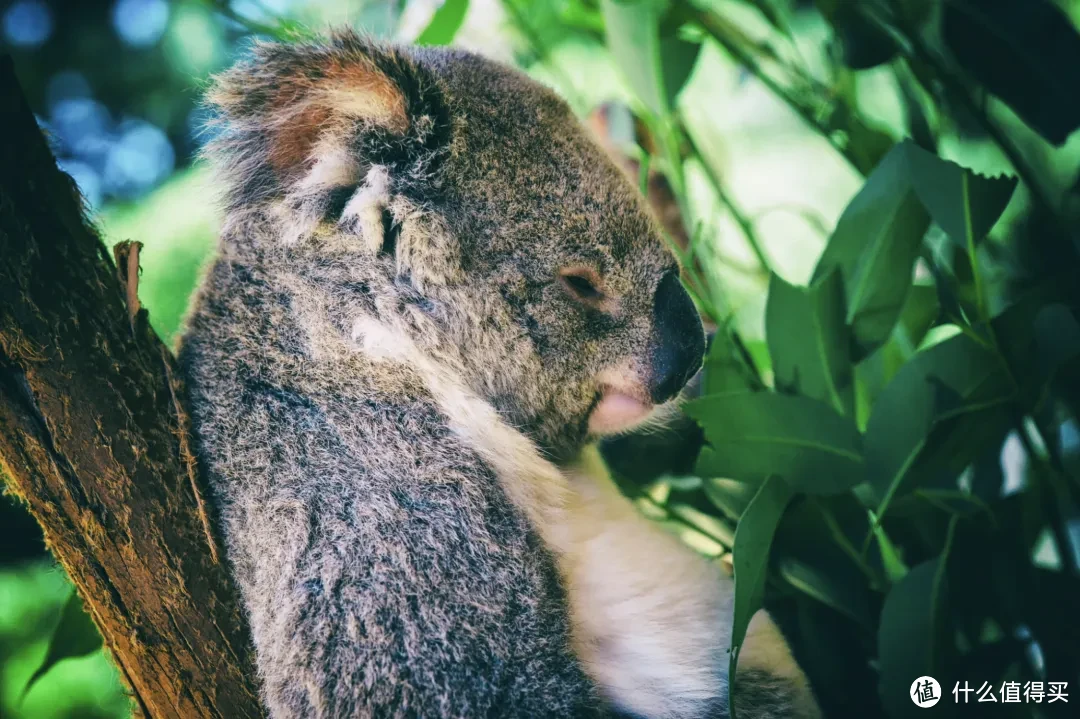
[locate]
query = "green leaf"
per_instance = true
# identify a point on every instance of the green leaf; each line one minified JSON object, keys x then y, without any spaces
{"x":75,"y":636}
{"x":820,"y":581}
{"x":1057,"y":336}
{"x":777,"y":14}
{"x":445,"y":23}
{"x":875,"y":245}
{"x":655,"y":66}
{"x":809,"y":342}
{"x":916,"y":12}
{"x":729,"y":496}
{"x":581,"y":14}
{"x":866,"y":144}
{"x":726,"y":368}
{"x":921,"y":310}
{"x":831,"y":650}
{"x":814,"y":449}
{"x":863,"y":44}
{"x":750,"y":558}
{"x":894,"y":566}
{"x":956,"y":377}
{"x":1020,"y":51}
{"x":909,"y":629}
{"x":713,"y":527}
{"x":915,"y":116}
{"x":814,"y":553}
{"x":963,"y":203}
{"x":1027,"y":342}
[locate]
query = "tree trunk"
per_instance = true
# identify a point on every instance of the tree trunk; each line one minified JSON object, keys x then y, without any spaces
{"x":94,"y":437}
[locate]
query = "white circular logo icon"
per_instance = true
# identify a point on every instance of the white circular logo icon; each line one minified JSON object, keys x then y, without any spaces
{"x":925,"y":692}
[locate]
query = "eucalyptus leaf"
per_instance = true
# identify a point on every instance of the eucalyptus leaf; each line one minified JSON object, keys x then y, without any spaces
{"x":750,"y":558}
{"x":875,"y":245}
{"x":813,"y":553}
{"x":894,"y":566}
{"x":863,"y":44}
{"x":866,"y":144}
{"x":831,"y":649}
{"x":907,"y":635}
{"x":777,"y":13}
{"x":713,"y":527}
{"x":1057,"y":335}
{"x":954,"y":377}
{"x":655,"y":66}
{"x":845,"y":594}
{"x":754,"y":435}
{"x":75,"y":636}
{"x":445,"y":23}
{"x":1023,"y":52}
{"x":915,"y":116}
{"x":809,"y":342}
{"x":963,"y":203}
{"x":729,"y":496}
{"x":1028,"y":343}
{"x":726,"y":369}
{"x":921,"y":311}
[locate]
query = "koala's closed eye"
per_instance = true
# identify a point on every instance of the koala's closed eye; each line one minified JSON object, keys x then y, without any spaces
{"x":584,"y":286}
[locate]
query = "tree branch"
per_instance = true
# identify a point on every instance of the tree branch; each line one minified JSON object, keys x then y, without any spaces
{"x":94,"y":438}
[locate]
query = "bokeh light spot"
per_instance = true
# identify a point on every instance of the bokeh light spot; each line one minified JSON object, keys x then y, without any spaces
{"x":194,"y":40}
{"x":140,"y":23}
{"x":28,"y":23}
{"x":141,"y":156}
{"x":81,"y":123}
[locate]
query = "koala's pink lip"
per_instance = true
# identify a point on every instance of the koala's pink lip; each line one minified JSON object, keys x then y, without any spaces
{"x":617,"y":412}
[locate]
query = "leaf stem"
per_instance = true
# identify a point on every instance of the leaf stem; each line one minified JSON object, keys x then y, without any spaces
{"x":716,"y":28}
{"x":844,"y":543}
{"x":1051,"y":504}
{"x":972,"y":252}
{"x":746,"y":225}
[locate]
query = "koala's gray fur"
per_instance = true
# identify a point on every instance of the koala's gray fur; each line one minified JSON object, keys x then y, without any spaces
{"x":381,"y":363}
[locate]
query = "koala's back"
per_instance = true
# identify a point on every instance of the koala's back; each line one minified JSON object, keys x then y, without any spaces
{"x":384,"y":570}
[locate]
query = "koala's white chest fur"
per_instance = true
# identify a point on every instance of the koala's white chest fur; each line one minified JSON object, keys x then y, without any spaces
{"x":651,"y":618}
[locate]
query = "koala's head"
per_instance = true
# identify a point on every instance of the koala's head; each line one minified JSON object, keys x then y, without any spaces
{"x":466,"y":203}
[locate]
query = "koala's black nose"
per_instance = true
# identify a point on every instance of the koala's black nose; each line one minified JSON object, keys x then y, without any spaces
{"x":678,"y":340}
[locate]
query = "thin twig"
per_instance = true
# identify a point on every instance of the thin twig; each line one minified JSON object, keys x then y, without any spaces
{"x":716,"y":30}
{"x":746,"y":225}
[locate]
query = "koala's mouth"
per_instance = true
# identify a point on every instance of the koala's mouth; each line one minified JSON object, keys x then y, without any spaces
{"x":617,"y":411}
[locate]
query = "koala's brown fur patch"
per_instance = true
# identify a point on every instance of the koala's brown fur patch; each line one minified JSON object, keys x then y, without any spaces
{"x":345,"y":91}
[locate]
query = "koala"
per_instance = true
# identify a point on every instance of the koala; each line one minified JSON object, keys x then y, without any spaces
{"x":432,"y":294}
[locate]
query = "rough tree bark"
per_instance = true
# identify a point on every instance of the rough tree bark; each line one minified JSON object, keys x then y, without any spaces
{"x":94,"y":437}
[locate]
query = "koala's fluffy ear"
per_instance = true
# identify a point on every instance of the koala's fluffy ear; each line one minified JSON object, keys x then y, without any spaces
{"x":303,"y":123}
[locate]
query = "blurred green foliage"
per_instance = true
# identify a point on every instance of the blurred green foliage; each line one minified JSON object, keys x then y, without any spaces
{"x":880,"y":209}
